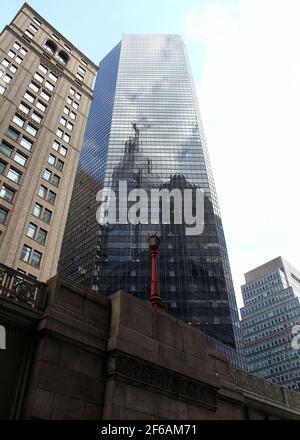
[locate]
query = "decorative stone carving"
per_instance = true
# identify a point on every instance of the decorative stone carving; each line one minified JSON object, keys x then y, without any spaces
{"x":256,"y":385}
{"x":292,"y":398}
{"x":20,"y":288}
{"x":165,"y":381}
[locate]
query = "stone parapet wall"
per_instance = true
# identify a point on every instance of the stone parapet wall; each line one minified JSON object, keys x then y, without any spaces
{"x":116,"y":358}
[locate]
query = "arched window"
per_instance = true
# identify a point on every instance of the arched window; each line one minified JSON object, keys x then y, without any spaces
{"x":51,"y":47}
{"x":62,"y":57}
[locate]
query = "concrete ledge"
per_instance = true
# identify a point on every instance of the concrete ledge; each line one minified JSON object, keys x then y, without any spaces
{"x":117,"y":358}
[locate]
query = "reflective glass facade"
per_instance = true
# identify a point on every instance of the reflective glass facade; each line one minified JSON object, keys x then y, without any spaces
{"x":146,"y":80}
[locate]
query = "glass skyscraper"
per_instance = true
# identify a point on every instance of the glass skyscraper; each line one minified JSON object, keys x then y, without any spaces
{"x":145,"y":128}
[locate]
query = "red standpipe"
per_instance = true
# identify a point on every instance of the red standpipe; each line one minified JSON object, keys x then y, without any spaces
{"x":154,"y":300}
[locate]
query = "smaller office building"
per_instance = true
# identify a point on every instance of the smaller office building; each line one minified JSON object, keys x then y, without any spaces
{"x":271,"y":322}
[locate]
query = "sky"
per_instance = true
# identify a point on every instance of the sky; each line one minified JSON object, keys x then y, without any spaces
{"x":246,"y":66}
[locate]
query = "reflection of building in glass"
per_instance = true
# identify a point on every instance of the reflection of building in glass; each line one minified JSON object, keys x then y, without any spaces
{"x":269,"y":322}
{"x":146,"y":79}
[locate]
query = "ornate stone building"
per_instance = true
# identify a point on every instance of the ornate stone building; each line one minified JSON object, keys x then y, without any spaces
{"x":45,"y":94}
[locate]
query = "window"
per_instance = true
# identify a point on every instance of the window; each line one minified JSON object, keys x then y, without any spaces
{"x":41,"y":106}
{"x":7,"y":79}
{"x":13,"y":68}
{"x":84,"y":63}
{"x":12,"y":134}
{"x":36,"y":117}
{"x":47,"y":175}
{"x":43,"y":69}
{"x":47,"y":216}
{"x":37,"y":212}
{"x":55,"y":37}
{"x":79,"y":76}
{"x":74,"y":104}
{"x":41,"y":237}
{"x":26,"y":144}
{"x":59,"y":164}
{"x":50,"y":177}
{"x":63,"y":151}
{"x":11,"y":54}
{"x":7,"y":193}
{"x":63,"y":121}
{"x":5,"y":149}
{"x":14,"y":175}
{"x":55,"y":180}
{"x":2,"y":167}
{"x":59,"y":133}
{"x":19,"y":59}
{"x":3,"y":215}
{"x":37,"y":21}
{"x":34,"y":87}
{"x":51,"y":197}
{"x":20,"y":158}
{"x":17,"y":46}
{"x":33,"y":28}
{"x":49,"y":86}
{"x":62,"y":57}
{"x":1,"y":73}
{"x":53,"y":77}
{"x":42,"y":192}
{"x":2,"y":89}
{"x":23,"y":51}
{"x":73,"y":116}
{"x":45,"y":95}
{"x":5,"y":63}
{"x":67,"y":48}
{"x":81,"y":70}
{"x":36,"y":259}
{"x":29,"y":97}
{"x":66,"y":138}
{"x":29,"y":34}
{"x":25,"y":254}
{"x":19,"y":121}
{"x":24,"y":108}
{"x":31,"y":130}
{"x":66,"y":110}
{"x":51,"y":159}
{"x":57,"y":147}
{"x":69,"y":126}
{"x":31,"y":230}
{"x":38,"y":77}
{"x":66,"y":124}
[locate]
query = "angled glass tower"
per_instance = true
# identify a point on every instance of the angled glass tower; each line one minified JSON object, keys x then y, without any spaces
{"x":145,"y":127}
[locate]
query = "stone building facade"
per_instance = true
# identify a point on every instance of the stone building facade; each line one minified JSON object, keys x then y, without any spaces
{"x":45,"y":94}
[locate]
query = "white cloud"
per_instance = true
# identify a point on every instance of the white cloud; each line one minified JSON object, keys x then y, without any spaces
{"x":249,"y":97}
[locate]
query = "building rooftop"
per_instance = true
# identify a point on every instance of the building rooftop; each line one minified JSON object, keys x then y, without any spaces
{"x":262,"y":270}
{"x":38,"y":16}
